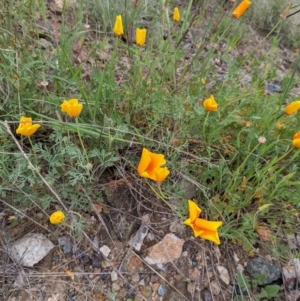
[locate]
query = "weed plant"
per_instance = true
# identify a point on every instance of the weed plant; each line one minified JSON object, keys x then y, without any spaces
{"x":240,"y":157}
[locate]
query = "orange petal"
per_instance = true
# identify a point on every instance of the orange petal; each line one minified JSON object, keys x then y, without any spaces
{"x":296,"y":142}
{"x":157,"y":160}
{"x":176,"y":14}
{"x":140,"y":36}
{"x":241,"y":8}
{"x":161,"y":173}
{"x":292,"y":108}
{"x":296,"y":136}
{"x":144,"y":162}
{"x":194,"y":210}
{"x":210,"y":104}
{"x":207,"y":225}
{"x":197,"y":231}
{"x":210,"y":235}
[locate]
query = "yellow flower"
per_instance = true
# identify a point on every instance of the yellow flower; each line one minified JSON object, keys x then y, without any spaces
{"x":71,"y":107}
{"x":140,"y":36}
{"x":57,"y":217}
{"x":210,"y":104}
{"x":201,"y":227}
{"x":26,"y":128}
{"x":118,"y":28}
{"x":241,"y":8}
{"x":176,"y":14}
{"x":150,"y":166}
{"x":292,"y":108}
{"x":296,"y":140}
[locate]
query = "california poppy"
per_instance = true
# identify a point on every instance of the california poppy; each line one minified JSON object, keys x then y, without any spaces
{"x":150,"y":166}
{"x":118,"y":28}
{"x":201,"y":227}
{"x":241,"y":8}
{"x":292,"y":107}
{"x":26,"y":128}
{"x":57,"y":217}
{"x":210,"y":104}
{"x":296,"y":140}
{"x":176,"y":14}
{"x":140,"y":36}
{"x":72,"y":107}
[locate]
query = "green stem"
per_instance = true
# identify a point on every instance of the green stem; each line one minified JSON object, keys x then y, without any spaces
{"x":159,"y":194}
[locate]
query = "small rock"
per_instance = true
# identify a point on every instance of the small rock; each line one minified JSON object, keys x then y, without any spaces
{"x":66,"y":243}
{"x":30,"y":249}
{"x":146,"y":291}
{"x":162,"y":290}
{"x":96,"y":263}
{"x":131,"y":263}
{"x":105,"y":250}
{"x":272,"y":88}
{"x":240,"y":268}
{"x":194,"y":274}
{"x":104,"y":275}
{"x":291,"y":238}
{"x":115,"y":287}
{"x":114,"y":276}
{"x":206,"y":295}
{"x":235,"y":258}
{"x":135,"y":277}
{"x":291,"y":272}
{"x":168,"y":249}
{"x":82,"y":256}
{"x":224,"y":275}
{"x":96,"y":244}
{"x":215,"y":288}
{"x":138,"y":239}
{"x":260,"y":266}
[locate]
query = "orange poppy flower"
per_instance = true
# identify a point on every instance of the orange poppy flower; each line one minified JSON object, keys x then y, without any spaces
{"x":176,"y":14}
{"x":296,"y":140}
{"x":140,"y":36}
{"x":241,"y":8}
{"x":118,"y":28}
{"x":210,"y":104}
{"x":201,"y":227}
{"x":26,"y":128}
{"x":57,"y":217}
{"x":150,"y":166}
{"x":292,"y":108}
{"x":72,"y":107}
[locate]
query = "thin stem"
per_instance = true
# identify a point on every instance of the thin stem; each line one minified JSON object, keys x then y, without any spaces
{"x":161,"y":196}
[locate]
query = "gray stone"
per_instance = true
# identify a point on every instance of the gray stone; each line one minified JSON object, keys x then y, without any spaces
{"x":105,"y":250}
{"x":138,"y":238}
{"x":260,"y":266}
{"x":291,"y":272}
{"x":66,"y":243}
{"x":206,"y":295}
{"x":30,"y":249}
{"x":162,"y":290}
{"x":215,"y":287}
{"x":224,"y":275}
